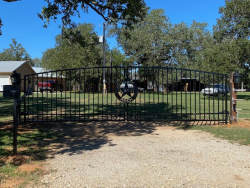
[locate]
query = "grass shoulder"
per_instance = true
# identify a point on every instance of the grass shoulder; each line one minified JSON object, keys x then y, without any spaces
{"x":234,"y":134}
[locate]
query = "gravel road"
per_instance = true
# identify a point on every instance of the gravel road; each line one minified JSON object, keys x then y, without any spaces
{"x":118,"y":155}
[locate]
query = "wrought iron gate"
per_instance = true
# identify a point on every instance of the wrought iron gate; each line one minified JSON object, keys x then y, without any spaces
{"x":128,"y":93}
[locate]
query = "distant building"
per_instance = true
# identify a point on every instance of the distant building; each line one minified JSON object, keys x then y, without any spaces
{"x":8,"y":67}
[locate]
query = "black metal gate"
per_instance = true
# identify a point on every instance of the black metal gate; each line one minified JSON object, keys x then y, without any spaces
{"x":125,"y":93}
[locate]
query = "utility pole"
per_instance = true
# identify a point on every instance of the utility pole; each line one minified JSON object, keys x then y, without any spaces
{"x":104,"y":58}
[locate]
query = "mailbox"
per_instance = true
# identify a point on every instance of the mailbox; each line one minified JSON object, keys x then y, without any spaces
{"x":10,"y":91}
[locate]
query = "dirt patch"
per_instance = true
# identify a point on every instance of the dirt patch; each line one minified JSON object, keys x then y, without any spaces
{"x":16,"y":160}
{"x":241,"y":123}
{"x":30,"y":167}
{"x":10,"y":183}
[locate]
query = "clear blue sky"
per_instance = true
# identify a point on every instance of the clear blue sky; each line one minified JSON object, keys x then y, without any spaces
{"x":22,"y":23}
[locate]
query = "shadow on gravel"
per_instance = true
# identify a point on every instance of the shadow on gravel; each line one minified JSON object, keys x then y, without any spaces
{"x":48,"y":139}
{"x":44,"y":140}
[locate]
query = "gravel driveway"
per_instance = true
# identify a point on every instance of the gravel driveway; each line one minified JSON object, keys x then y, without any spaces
{"x":144,"y":155}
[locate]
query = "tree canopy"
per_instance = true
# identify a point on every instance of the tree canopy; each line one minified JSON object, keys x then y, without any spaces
{"x":84,"y":51}
{"x":146,"y":42}
{"x":155,"y":41}
{"x":15,"y":52}
{"x":125,"y":11}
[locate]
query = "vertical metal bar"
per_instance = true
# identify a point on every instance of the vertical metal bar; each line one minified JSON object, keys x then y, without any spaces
{"x":154,"y":77}
{"x":200,"y":95}
{"x":158,"y":87}
{"x":51,"y":100}
{"x":15,"y":122}
{"x":61,"y":90}
{"x":204,"y":76}
{"x":70,"y":89}
{"x":65,"y":97}
{"x":144,"y":91}
{"x":172,"y":99}
{"x":136,"y":113}
{"x":181,"y":96}
{"x":167,"y":86}
{"x":213,"y":100}
{"x":223,"y":96}
{"x":190,"y":93}
{"x":31,"y":92}
{"x":93,"y":92}
{"x":162,"y":85}
{"x":16,"y":109}
{"x":25,"y":89}
{"x":176,"y":92}
{"x":150,"y":88}
{"x":79,"y":94}
{"x":195,"y":90}
{"x":111,"y":90}
{"x":74,"y":88}
{"x":37,"y":97}
{"x":47,"y":96}
{"x":98,"y":95}
{"x":103,"y":91}
{"x":116,"y":89}
{"x":218,"y":99}
{"x":209,"y":99}
{"x":186,"y":106}
{"x":84,"y":92}
{"x":89,"y":91}
{"x":226,"y":102}
{"x":42,"y":98}
{"x":28,"y":105}
{"x":56,"y":81}
{"x":125,"y":105}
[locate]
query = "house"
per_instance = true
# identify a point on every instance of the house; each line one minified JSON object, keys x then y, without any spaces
{"x":8,"y":67}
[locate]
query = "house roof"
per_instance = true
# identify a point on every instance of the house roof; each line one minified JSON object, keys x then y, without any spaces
{"x":39,"y":69}
{"x":10,"y":66}
{"x":44,"y":72}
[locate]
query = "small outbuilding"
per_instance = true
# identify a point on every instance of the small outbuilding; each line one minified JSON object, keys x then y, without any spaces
{"x":8,"y":67}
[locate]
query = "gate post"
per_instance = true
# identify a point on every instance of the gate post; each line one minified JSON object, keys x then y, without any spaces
{"x":233,"y":112}
{"x":16,"y":81}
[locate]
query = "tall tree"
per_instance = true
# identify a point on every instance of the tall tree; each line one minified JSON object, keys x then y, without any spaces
{"x":187,"y":44}
{"x":16,"y":52}
{"x":235,"y":20}
{"x":233,"y":31}
{"x":147,"y":42}
{"x":126,"y":11}
{"x":85,"y":50}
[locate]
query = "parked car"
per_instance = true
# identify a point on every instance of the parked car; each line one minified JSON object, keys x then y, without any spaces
{"x":215,"y":90}
{"x":49,"y":85}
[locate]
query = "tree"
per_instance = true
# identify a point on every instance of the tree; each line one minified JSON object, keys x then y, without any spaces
{"x":36,"y":62}
{"x":235,"y":20}
{"x":83,"y":51}
{"x":232,"y":30}
{"x":187,"y":44}
{"x":126,"y":11}
{"x":16,"y":52}
{"x":147,"y":42}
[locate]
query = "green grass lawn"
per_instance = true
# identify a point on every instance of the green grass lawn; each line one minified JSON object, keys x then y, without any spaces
{"x":243,"y":104}
{"x":6,"y":109}
{"x":171,"y":106}
{"x":233,"y":134}
{"x":145,"y":104}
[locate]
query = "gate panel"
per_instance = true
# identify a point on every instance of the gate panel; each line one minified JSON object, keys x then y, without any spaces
{"x":135,"y":93}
